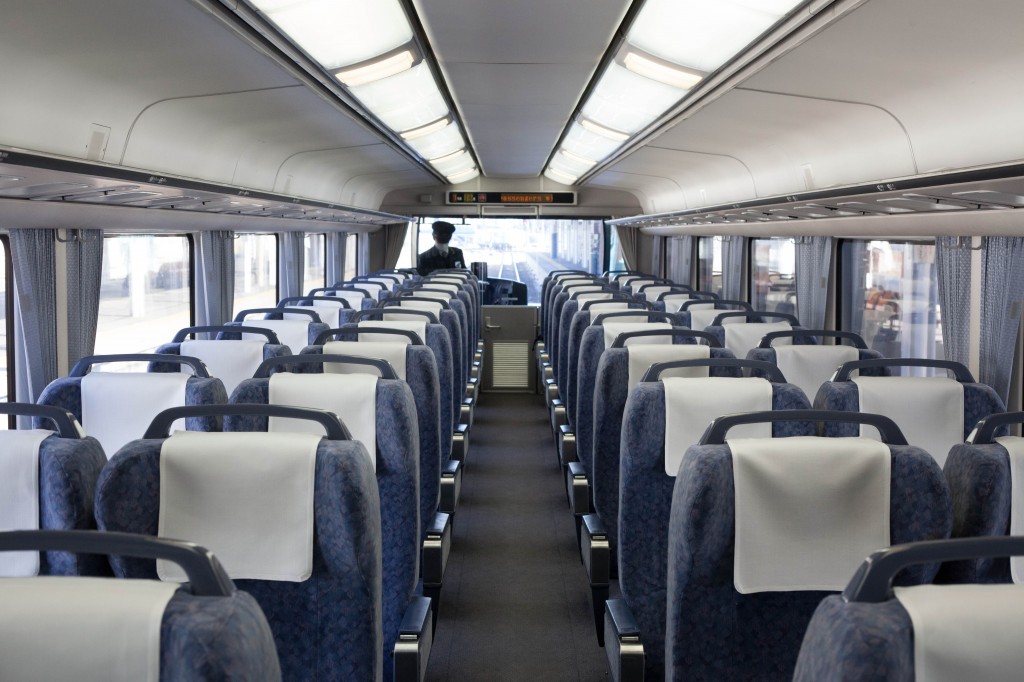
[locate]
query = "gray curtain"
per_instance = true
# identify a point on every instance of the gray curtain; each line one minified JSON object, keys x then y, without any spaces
{"x":813,"y":262}
{"x":291,"y":262}
{"x":34,"y":255}
{"x":953,"y":272}
{"x":657,"y":256}
{"x":733,"y":248}
{"x":628,"y":243}
{"x":214,"y":277}
{"x":85,"y":269}
{"x":394,"y":240}
{"x":334,"y":257}
{"x":682,"y":259}
{"x":1002,"y":296}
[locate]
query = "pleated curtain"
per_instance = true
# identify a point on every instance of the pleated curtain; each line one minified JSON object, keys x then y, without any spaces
{"x":84,"y":272}
{"x":733,"y":247}
{"x":34,"y":256}
{"x":394,"y":240}
{"x":628,"y":241}
{"x":813,"y":262}
{"x":680,"y":269}
{"x":291,"y":263}
{"x":953,"y":272}
{"x":214,"y":277}
{"x":1002,"y":297}
{"x":334,"y":257}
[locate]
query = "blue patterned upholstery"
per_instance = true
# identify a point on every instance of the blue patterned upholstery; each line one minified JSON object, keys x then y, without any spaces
{"x":980,"y":485}
{"x":209,"y":639}
{"x":645,"y":499}
{"x":327,"y":627}
{"x":857,"y":642}
{"x":980,"y":401}
{"x":421,"y":375}
{"x":561,"y":358}
{"x":397,"y":482}
{"x":715,"y":632}
{"x":601,"y":461}
{"x":68,"y":471}
{"x":66,"y":393}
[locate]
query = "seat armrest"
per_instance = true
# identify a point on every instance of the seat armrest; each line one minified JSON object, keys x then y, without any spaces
{"x":595,"y":550}
{"x":436,"y":548}
{"x":567,"y":445}
{"x":451,"y":486}
{"x":460,"y":442}
{"x":415,"y":637}
{"x":623,"y":645}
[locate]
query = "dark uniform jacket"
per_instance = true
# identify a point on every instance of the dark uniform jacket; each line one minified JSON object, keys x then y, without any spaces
{"x":432,"y":259}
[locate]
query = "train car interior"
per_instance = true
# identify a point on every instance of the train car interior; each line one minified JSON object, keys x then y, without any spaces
{"x":578,"y":340}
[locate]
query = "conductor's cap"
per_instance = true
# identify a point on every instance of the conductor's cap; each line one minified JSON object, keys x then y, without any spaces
{"x":443,"y":228}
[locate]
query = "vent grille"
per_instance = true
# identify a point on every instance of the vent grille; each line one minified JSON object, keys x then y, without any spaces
{"x":510,"y":364}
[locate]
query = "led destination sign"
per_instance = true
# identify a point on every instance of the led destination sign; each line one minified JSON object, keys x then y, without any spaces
{"x":476,"y":198}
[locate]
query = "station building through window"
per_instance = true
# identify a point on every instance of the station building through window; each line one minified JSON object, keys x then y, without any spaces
{"x":313,"y":271}
{"x":351,"y":256}
{"x":255,"y":271}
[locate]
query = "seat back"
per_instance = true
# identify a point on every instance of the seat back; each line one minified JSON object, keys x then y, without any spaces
{"x":97,"y":399}
{"x":853,"y":494}
{"x":48,"y":481}
{"x":289,"y":323}
{"x":612,"y":385}
{"x":645,"y":486}
{"x":925,"y":632}
{"x":396,"y":458}
{"x":742,"y":330}
{"x":205,"y":629}
{"x":701,"y":312}
{"x":419,"y":371}
{"x":934,"y":413}
{"x":327,"y":622}
{"x":810,"y":365}
{"x":561,"y":340}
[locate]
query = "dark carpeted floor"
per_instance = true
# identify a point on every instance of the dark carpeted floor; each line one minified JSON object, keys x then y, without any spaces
{"x":516,"y":601}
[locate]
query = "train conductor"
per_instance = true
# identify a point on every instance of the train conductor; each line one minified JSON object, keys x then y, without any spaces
{"x":441,"y":256}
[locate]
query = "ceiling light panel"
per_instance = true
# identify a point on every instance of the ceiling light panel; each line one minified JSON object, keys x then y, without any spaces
{"x":438,"y":143}
{"x":340,"y":32}
{"x":582,"y":142}
{"x":404,"y":101}
{"x":628,"y":102}
{"x":703,"y":34}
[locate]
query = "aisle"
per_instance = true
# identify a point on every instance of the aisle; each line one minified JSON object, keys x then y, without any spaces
{"x":516,"y":603}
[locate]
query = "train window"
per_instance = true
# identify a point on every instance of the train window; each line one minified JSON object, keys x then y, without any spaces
{"x":615,"y":258}
{"x":6,"y":332}
{"x":313,"y":272}
{"x":351,"y":251}
{"x":255,"y":271}
{"x":889,"y":295}
{"x":772,"y":275}
{"x":709,"y":264}
{"x":145,"y":294}
{"x":526,"y":249}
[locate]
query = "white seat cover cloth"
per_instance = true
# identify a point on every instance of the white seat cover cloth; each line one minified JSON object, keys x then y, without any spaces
{"x":576,"y":281}
{"x":641,"y":357}
{"x":613,"y":329}
{"x":673,"y":302}
{"x":929,"y":410}
{"x":417,"y":326}
{"x":353,"y":397}
{"x":740,"y":338}
{"x":82,"y":629}
{"x":385,"y":282}
{"x":966,"y":632}
{"x":374,"y":288}
{"x":808,"y":510}
{"x":692,"y":404}
{"x":353,"y":298}
{"x":1015,"y":449}
{"x":105,"y":396}
{"x":453,"y":279}
{"x":231,"y":361}
{"x":441,"y":295}
{"x":393,"y":351}
{"x":652,"y":293}
{"x":413,"y":304}
{"x":810,"y":366}
{"x":635,"y":284}
{"x":452,"y":289}
{"x":586,"y":297}
{"x":575,"y":291}
{"x":328,"y":313}
{"x":247,"y":497}
{"x":292,"y":333}
{"x":702,"y":315}
{"x":19,"y":495}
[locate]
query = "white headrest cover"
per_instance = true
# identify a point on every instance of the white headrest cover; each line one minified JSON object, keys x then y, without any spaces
{"x":808,"y":510}
{"x":740,"y":338}
{"x":229,"y":360}
{"x":19,"y":495}
{"x":328,"y":314}
{"x":393,"y":351}
{"x":413,"y":304}
{"x":83,"y":629}
{"x":453,"y":289}
{"x":652,"y":293}
{"x":576,"y":292}
{"x":586,"y":297}
{"x":635,"y":284}
{"x":929,"y":410}
{"x":440,"y":295}
{"x":373,"y":287}
{"x":449,"y":277}
{"x":692,"y":404}
{"x":612,"y":329}
{"x":353,"y":397}
{"x":641,"y":357}
{"x":673,"y":302}
{"x":810,"y":366}
{"x":385,"y":282}
{"x":418,"y":326}
{"x":247,"y":497}
{"x":291,"y":333}
{"x":105,"y":395}
{"x":1015,"y":449}
{"x":702,"y":315}
{"x":577,"y":281}
{"x":354,"y":298}
{"x":965,"y":632}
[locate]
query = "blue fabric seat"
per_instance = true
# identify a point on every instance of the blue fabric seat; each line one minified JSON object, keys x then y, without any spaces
{"x":867,"y":635}
{"x":326,"y":627}
{"x":560,"y":299}
{"x":69,"y":466}
{"x":645,"y":497}
{"x":561,"y":332}
{"x":209,"y":631}
{"x":397,"y":473}
{"x":714,"y":631}
{"x":979,"y":479}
